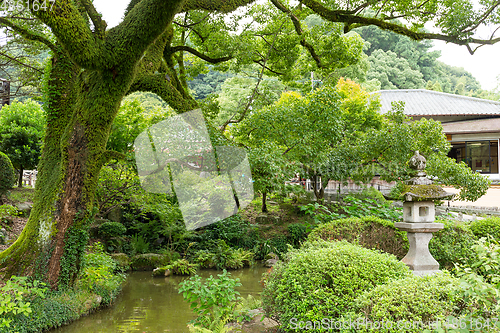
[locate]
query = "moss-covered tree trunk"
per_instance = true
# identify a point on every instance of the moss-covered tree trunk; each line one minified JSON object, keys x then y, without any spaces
{"x":91,"y":72}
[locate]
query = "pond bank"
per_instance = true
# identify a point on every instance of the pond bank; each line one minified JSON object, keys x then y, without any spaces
{"x":152,"y":305}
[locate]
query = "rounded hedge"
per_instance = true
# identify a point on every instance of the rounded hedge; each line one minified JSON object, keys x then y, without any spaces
{"x":368,"y":231}
{"x":489,"y":226}
{"x":453,"y":244}
{"x":111,"y":229}
{"x":7,"y":174}
{"x":322,"y":280}
{"x":408,"y":301}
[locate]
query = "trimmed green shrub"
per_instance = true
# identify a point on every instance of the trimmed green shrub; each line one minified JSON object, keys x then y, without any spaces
{"x":413,"y":299}
{"x":453,"y":244}
{"x":489,"y":226}
{"x":112,"y":229}
{"x":369,"y":231}
{"x":323,"y":279}
{"x":7,"y":174}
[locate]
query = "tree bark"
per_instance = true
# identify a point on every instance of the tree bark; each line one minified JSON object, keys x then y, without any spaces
{"x":20,"y":178}
{"x":264,"y":205}
{"x":86,"y":84}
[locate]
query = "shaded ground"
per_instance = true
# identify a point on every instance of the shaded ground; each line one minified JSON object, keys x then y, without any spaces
{"x":276,"y":221}
{"x":14,"y":225}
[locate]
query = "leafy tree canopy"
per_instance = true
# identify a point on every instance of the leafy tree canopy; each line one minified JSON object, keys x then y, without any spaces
{"x":22,"y":128}
{"x":387,"y":150}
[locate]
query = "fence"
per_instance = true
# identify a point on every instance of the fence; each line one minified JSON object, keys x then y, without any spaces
{"x":29,"y":177}
{"x":351,"y":186}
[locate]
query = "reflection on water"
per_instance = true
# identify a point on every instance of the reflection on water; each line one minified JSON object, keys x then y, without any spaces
{"x":153,"y":305}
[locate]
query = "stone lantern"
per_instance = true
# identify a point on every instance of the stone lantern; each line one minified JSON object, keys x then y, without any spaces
{"x":419,"y":213}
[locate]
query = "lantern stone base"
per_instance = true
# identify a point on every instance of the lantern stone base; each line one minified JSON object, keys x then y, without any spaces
{"x":418,"y":258}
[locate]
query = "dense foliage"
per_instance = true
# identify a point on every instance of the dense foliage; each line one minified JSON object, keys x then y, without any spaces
{"x":211,"y":300}
{"x":486,"y":227}
{"x":370,"y":232}
{"x":411,"y":300}
{"x":22,"y":128}
{"x":7,"y":174}
{"x":37,"y":309}
{"x":323,"y":279}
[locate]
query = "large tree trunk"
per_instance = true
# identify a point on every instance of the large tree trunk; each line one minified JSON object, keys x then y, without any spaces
{"x":89,"y":76}
{"x":79,"y":120}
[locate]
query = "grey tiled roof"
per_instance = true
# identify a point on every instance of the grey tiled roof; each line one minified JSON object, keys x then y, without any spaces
{"x":422,"y":102}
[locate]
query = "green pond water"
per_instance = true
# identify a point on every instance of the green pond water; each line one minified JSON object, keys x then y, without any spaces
{"x":153,"y":305}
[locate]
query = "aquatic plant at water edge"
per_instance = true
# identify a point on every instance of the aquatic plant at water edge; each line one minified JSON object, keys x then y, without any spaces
{"x":214,"y":298}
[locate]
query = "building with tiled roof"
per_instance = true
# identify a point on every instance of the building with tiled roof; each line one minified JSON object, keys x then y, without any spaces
{"x":472,"y":125}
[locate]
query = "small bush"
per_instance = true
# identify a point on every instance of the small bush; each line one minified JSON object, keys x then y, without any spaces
{"x":234,"y":230}
{"x":355,"y":207}
{"x":223,"y":257}
{"x":413,"y":299}
{"x":213,"y":300}
{"x":297,"y":233}
{"x":323,"y":279}
{"x":205,"y":259}
{"x":369,"y":231}
{"x":7,"y":174}
{"x":489,"y":226}
{"x":480,"y":281}
{"x":15,"y":296}
{"x":139,"y":244}
{"x":453,"y":244}
{"x":6,"y":211}
{"x":182,"y":267}
{"x":112,"y":229}
{"x":98,"y":274}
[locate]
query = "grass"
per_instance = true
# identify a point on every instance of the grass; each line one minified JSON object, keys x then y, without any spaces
{"x":24,"y":194}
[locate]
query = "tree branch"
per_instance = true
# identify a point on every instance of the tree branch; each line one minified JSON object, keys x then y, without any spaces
{"x":255,"y":90}
{"x":20,"y":62}
{"x":72,"y":31}
{"x":221,"y":6}
{"x":99,"y":24}
{"x":263,"y":65}
{"x":108,"y":155}
{"x":158,"y":84}
{"x":30,"y":35}
{"x":200,"y":55}
{"x":192,"y":24}
{"x":483,"y":17}
{"x":298,"y":29}
{"x":342,"y":17}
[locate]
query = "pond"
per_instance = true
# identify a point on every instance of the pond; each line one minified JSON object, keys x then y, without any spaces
{"x":153,"y":305}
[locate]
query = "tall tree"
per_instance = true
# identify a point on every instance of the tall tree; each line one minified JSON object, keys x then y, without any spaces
{"x":22,"y":128}
{"x":92,"y":69}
